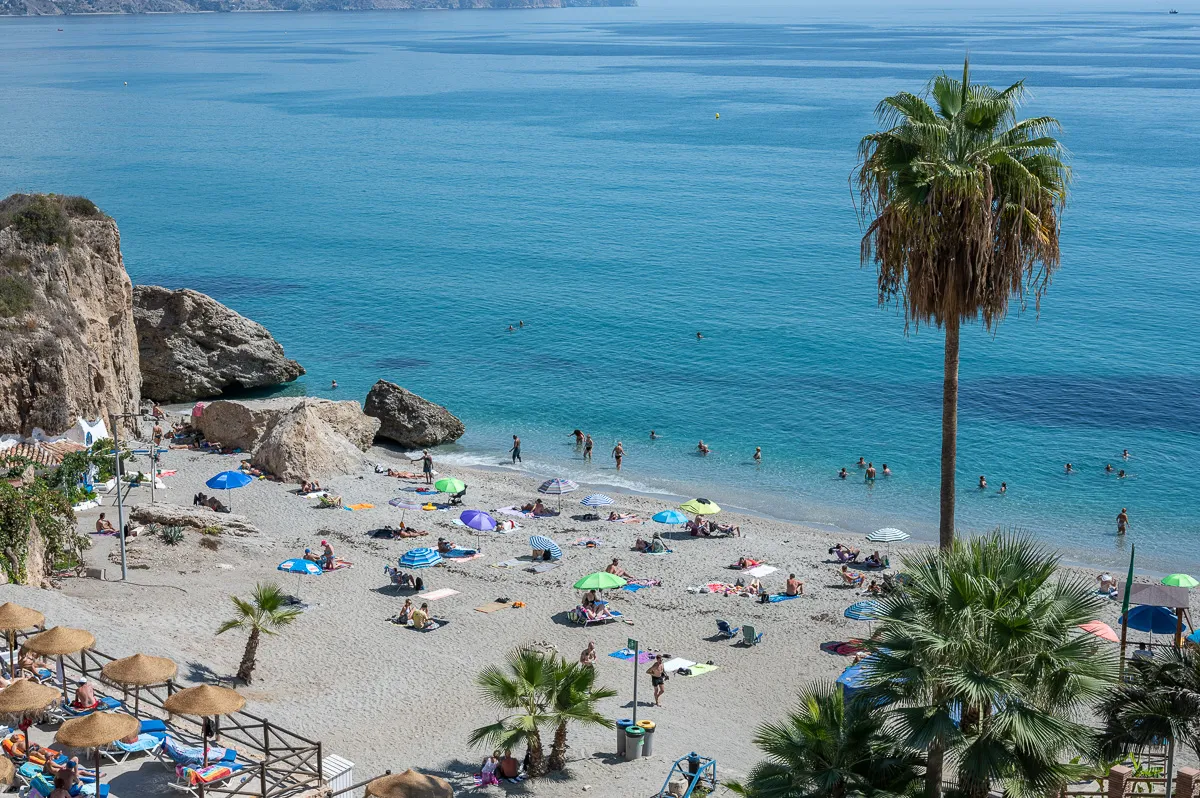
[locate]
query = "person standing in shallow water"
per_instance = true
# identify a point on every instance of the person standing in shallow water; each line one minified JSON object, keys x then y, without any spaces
{"x":618,"y":452}
{"x":578,"y":437}
{"x":758,"y":455}
{"x":870,"y":475}
{"x":516,"y":450}
{"x":1122,"y":521}
{"x":587,"y":448}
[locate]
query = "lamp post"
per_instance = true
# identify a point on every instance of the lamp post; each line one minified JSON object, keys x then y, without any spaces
{"x":116,"y":433}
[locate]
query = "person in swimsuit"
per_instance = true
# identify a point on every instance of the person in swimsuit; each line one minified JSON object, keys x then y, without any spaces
{"x":426,"y":465}
{"x":327,"y":558}
{"x":658,"y":678}
{"x":588,"y":658}
{"x":698,"y":336}
{"x":861,"y":463}
{"x":653,"y":435}
{"x":104,"y":526}
{"x":1108,"y":469}
{"x":333,"y":385}
{"x":618,"y":452}
{"x":870,"y":472}
{"x":1125,"y":454}
{"x":982,"y":482}
{"x":510,"y":328}
{"x":615,"y":569}
{"x":842,"y":474}
{"x":587,"y":448}
{"x":578,"y":437}
{"x":887,"y":472}
{"x":516,"y":450}
{"x":1122,"y":521}
{"x":1070,"y":469}
{"x":1004,"y":487}
{"x":794,"y":586}
{"x":1121,"y":474}
{"x":702,"y":448}
{"x":758,"y":455}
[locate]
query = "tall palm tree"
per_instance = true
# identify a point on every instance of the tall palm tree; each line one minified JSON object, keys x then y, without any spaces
{"x":1160,"y":700}
{"x":830,"y":748}
{"x":520,"y":690}
{"x":983,"y":665}
{"x":266,"y":612}
{"x":961,"y":205}
{"x":573,"y":699}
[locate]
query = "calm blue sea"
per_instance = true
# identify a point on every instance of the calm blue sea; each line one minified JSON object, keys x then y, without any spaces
{"x":387,"y":192}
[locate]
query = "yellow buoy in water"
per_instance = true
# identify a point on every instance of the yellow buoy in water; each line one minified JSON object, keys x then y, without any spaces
{"x":718,"y":116}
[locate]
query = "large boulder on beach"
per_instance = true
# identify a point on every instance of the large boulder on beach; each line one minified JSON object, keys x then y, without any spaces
{"x":69,"y":349}
{"x":244,"y":423}
{"x":193,"y":347}
{"x":193,"y":517}
{"x":303,"y":445}
{"x":408,"y":419}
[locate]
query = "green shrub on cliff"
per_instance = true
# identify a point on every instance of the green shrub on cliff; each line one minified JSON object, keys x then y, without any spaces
{"x":45,"y":218}
{"x":16,"y":296}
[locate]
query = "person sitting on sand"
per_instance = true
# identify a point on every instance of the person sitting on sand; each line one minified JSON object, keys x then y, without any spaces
{"x":697,"y":527}
{"x":851,"y":578}
{"x":1108,"y":585}
{"x":615,"y":569}
{"x":445,"y":546}
{"x":845,"y":553}
{"x":874,"y":560}
{"x":588,"y":658}
{"x":794,"y":586}
{"x":85,"y":696}
{"x":421,"y":619}
{"x":641,"y":545}
{"x":726,"y":530}
{"x":509,"y":768}
{"x":311,"y":556}
{"x":487,"y":771}
{"x":406,"y":612}
{"x":874,"y":589}
{"x":104,"y":526}
{"x":657,"y":546}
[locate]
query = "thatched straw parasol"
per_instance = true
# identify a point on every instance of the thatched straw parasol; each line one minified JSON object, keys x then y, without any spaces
{"x":7,"y":771}
{"x":409,"y":784}
{"x":24,"y":696}
{"x":58,"y":642}
{"x":96,"y":730}
{"x":14,"y":618}
{"x":139,"y":670}
{"x":205,"y":701}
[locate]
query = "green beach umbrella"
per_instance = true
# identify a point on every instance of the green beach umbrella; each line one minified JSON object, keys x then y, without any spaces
{"x":600,"y":581}
{"x":449,"y":485}
{"x":700,"y":507}
{"x":1180,"y":580}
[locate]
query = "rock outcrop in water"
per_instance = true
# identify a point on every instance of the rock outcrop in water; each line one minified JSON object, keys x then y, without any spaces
{"x":57,"y":7}
{"x":408,"y":419}
{"x":66,"y":315}
{"x":193,"y":347}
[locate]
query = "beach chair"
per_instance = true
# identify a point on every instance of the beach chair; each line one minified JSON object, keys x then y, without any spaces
{"x":725,"y":631}
{"x":188,"y":779}
{"x":175,"y":755}
{"x":750,"y":637}
{"x":103,"y":703}
{"x":151,"y":737}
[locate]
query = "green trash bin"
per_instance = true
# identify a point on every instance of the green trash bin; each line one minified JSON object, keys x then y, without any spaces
{"x":647,"y":726}
{"x":633,"y":742}
{"x":622,"y":725}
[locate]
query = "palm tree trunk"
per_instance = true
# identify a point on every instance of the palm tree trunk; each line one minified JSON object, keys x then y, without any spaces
{"x":933,"y":770}
{"x":246,"y":669}
{"x":558,"y":751}
{"x":537,"y":763}
{"x":949,"y":432}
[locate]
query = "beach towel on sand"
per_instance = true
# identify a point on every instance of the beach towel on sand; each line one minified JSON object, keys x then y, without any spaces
{"x":514,"y":510}
{"x":626,"y":654}
{"x":543,"y":567}
{"x":438,"y":594}
{"x":363,"y":506}
{"x":781,"y":597}
{"x":340,"y":564}
{"x":761,"y":571}
{"x":676,"y":664}
{"x":699,"y":669}
{"x":514,"y":563}
{"x":493,"y":606}
{"x":461,"y":554}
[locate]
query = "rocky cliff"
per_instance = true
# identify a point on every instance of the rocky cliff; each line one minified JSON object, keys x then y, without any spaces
{"x":193,"y":347}
{"x":57,"y":7}
{"x":66,"y":315}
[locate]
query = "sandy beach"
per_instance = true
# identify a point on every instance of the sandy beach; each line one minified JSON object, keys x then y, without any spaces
{"x":387,"y":697}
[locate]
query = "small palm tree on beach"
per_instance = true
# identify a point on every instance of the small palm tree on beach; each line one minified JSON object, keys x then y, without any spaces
{"x":519,"y":689}
{"x":264,"y":614}
{"x":829,"y":747}
{"x":980,"y":661}
{"x":962,"y":205}
{"x":573,"y":699}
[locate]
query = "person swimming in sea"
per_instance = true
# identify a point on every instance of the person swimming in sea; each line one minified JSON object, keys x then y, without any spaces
{"x":1108,"y":469}
{"x":887,"y":472}
{"x":698,"y":336}
{"x":1121,"y":474}
{"x":861,"y":463}
{"x":653,"y":435}
{"x":1125,"y":454}
{"x":510,"y":328}
{"x":1069,"y":469}
{"x":520,"y":323}
{"x":870,"y":475}
{"x":982,"y":482}
{"x":758,"y":455}
{"x":842,"y":474}
{"x":333,"y":385}
{"x":1004,"y":487}
{"x":702,"y":448}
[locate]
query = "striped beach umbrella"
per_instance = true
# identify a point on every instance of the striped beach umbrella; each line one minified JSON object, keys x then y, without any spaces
{"x":423,"y":557}
{"x":597,"y":500}
{"x":670,"y":517}
{"x":888,"y":535}
{"x":543,"y":543}
{"x":404,"y":506}
{"x":557,"y":487}
{"x":862,"y":611}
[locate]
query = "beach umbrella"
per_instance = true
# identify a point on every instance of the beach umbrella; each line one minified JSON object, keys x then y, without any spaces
{"x":450,"y":485}
{"x":229,"y":480}
{"x":25,"y":695}
{"x":95,"y":731}
{"x":1180,"y":580}
{"x":404,"y":507}
{"x":862,"y":611}
{"x":478,"y":520}
{"x":7,"y":770}
{"x":14,"y":618}
{"x":597,"y":500}
{"x":301,"y":568}
{"x":59,"y":642}
{"x":1101,"y":630}
{"x":601,"y":580}
{"x":423,"y":557}
{"x":888,"y":535}
{"x":557,"y":487}
{"x":138,"y":671}
{"x":670,"y":517}
{"x":1155,"y":620}
{"x":409,"y":784}
{"x":700,"y":507}
{"x":853,"y":679}
{"x":543,"y":543}
{"x":205,"y":701}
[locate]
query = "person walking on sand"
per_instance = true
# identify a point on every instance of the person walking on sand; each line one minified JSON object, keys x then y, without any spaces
{"x":587,"y":448}
{"x":758,"y":455}
{"x":618,"y":452}
{"x":426,"y":465}
{"x":516,"y":450}
{"x":658,"y":678}
{"x":1122,"y":521}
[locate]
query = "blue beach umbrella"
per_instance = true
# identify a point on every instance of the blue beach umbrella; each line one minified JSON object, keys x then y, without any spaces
{"x":423,"y":557}
{"x":542,"y":543}
{"x":300,"y":567}
{"x":478,"y":520}
{"x":1155,"y":620}
{"x":862,"y":611}
{"x":597,"y":500}
{"x":670,"y":517}
{"x":853,"y":679}
{"x":227,"y":481}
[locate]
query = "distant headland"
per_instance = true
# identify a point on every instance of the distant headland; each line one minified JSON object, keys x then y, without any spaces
{"x":65,"y":7}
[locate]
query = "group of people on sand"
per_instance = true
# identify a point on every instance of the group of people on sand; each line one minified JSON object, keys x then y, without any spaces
{"x":499,"y":766}
{"x":700,"y":528}
{"x":325,"y":559}
{"x":417,"y":617}
{"x":538,"y":509}
{"x":655,"y":545}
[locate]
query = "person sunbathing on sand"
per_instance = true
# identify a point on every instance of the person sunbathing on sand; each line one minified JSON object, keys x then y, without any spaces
{"x":615,"y":569}
{"x":845,"y":553}
{"x":541,"y":509}
{"x":746,"y":562}
{"x":852,"y":578}
{"x":874,"y":560}
{"x":445,"y":546}
{"x":104,"y":526}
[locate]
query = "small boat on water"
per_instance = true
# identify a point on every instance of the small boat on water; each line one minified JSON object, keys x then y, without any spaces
{"x":1172,"y":11}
